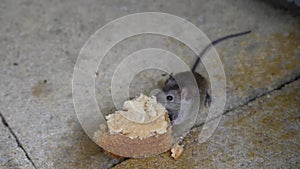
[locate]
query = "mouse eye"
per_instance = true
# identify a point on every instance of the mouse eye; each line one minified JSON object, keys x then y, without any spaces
{"x":170,"y":97}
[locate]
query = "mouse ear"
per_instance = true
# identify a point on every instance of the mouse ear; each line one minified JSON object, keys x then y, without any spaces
{"x":170,"y":81}
{"x":188,"y":92}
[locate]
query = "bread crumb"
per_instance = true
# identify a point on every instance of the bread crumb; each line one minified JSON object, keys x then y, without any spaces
{"x":177,"y":150}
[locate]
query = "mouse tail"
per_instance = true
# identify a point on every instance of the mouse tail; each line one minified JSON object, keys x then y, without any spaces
{"x":213,"y":43}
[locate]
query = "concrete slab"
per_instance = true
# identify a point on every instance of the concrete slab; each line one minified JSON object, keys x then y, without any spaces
{"x":253,"y":64}
{"x":262,"y":134}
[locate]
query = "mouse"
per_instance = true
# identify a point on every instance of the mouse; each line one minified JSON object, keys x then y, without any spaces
{"x":173,"y":97}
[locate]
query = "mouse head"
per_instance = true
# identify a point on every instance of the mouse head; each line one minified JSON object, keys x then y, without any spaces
{"x":172,"y":95}
{"x":185,"y":90}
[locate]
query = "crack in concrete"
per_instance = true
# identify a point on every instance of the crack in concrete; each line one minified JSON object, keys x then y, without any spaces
{"x":17,"y":140}
{"x":297,"y":77}
{"x":252,"y":99}
{"x":113,"y":162}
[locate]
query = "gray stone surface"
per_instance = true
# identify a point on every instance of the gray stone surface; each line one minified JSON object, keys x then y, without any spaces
{"x":40,"y":41}
{"x":262,"y":134}
{"x":11,"y":156}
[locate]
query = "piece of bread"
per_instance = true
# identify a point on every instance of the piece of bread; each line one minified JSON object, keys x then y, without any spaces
{"x":176,"y":151}
{"x":124,"y":137}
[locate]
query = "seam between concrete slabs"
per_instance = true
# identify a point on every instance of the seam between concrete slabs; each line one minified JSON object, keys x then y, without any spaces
{"x":17,"y":140}
{"x":279,"y":87}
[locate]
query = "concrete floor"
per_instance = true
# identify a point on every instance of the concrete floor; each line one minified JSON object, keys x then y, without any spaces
{"x":40,"y":42}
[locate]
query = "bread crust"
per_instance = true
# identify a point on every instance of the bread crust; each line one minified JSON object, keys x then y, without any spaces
{"x":124,"y":146}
